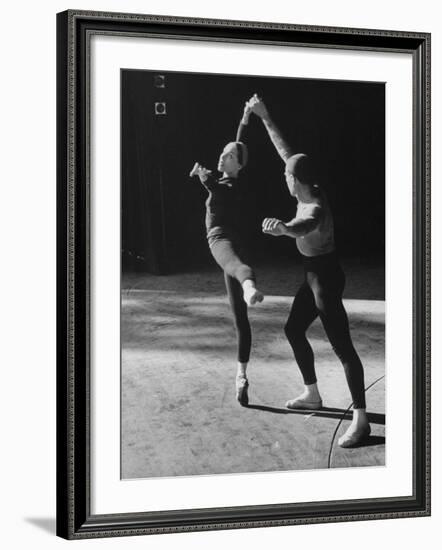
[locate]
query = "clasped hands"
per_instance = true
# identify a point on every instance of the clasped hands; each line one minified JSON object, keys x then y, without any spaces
{"x":254,"y":105}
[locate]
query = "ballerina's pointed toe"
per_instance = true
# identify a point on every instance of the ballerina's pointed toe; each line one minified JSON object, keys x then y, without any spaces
{"x":242,"y":391}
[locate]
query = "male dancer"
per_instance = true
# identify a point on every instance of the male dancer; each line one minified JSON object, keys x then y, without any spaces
{"x":321,"y":292}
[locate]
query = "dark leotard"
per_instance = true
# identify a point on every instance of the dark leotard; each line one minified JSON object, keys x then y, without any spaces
{"x":225,"y":233}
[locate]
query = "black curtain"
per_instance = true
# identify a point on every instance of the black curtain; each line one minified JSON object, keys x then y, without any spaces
{"x":341,"y":124}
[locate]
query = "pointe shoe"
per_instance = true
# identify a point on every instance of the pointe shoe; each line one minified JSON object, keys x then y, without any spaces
{"x":300,"y":403}
{"x":356,"y":438}
{"x":253,"y":297}
{"x":242,"y":388}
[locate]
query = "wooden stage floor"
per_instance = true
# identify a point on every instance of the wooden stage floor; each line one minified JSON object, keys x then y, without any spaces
{"x":179,"y":413}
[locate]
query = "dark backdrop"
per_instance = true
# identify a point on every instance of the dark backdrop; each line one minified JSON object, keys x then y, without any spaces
{"x":341,"y":124}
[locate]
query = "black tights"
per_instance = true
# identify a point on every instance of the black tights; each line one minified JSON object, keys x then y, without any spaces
{"x":321,"y":294}
{"x":240,"y":317}
{"x":229,"y":259}
{"x":235,"y":273}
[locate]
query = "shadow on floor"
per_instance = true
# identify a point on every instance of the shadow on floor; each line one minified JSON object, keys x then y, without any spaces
{"x":325,"y":412}
{"x":373,"y":440}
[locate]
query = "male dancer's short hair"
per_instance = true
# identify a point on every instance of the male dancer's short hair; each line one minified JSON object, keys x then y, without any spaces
{"x":301,"y":167}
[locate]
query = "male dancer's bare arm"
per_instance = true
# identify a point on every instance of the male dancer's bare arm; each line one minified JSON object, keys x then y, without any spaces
{"x":298,"y":227}
{"x":282,"y":147}
{"x":302,"y":226}
{"x":277,"y":139}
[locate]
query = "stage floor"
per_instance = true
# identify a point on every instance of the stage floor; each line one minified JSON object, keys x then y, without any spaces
{"x":179,"y":412}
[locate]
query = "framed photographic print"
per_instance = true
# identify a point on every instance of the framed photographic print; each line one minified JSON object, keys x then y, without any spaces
{"x":243,"y":274}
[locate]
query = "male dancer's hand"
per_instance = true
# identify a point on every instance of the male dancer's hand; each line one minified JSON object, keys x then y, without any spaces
{"x":200,"y":171}
{"x":273,"y":226}
{"x":257,"y":106}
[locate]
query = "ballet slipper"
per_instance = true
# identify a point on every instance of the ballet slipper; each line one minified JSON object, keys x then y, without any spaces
{"x":300,"y":403}
{"x":355,"y":438}
{"x":242,"y":387}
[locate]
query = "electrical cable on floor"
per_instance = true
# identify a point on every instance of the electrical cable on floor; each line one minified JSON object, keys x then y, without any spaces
{"x":342,"y":419}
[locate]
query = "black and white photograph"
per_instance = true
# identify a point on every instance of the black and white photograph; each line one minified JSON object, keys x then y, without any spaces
{"x":252,"y":274}
{"x":221,"y":266}
{"x":243,"y":274}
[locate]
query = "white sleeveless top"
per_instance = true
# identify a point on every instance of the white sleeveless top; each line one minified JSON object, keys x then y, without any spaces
{"x":321,"y":240}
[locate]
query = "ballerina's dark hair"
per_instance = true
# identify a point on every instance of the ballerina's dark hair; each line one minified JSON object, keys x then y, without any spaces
{"x":242,"y":152}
